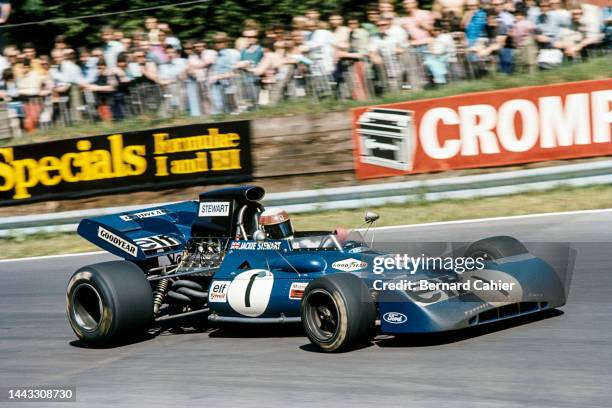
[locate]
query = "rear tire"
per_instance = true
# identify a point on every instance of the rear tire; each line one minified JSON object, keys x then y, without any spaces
{"x":496,"y":248}
{"x":338,"y":312}
{"x":109,"y":302}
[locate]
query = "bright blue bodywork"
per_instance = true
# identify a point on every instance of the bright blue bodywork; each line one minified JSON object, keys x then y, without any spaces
{"x":263,"y":281}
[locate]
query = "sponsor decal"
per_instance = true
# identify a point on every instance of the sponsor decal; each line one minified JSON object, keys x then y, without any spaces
{"x":218,"y":291}
{"x":510,"y":126}
{"x":143,"y":214}
{"x":257,"y":246}
{"x":117,"y":241}
{"x":148,"y":159}
{"x":386,"y":138}
{"x":214,"y":209}
{"x":349,"y":265}
{"x":157,"y":243}
{"x":358,"y":250}
{"x":296,"y":291}
{"x":395,"y":318}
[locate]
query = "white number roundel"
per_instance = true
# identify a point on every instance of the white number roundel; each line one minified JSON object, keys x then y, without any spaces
{"x":249,"y":293}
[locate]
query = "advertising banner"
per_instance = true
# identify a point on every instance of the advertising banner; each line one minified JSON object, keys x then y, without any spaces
{"x":505,"y":127}
{"x":150,"y":159}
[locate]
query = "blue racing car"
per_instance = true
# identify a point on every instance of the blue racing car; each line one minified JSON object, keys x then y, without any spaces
{"x":226,"y":259}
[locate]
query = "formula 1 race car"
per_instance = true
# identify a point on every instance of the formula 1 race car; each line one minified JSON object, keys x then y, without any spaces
{"x":225,"y":259}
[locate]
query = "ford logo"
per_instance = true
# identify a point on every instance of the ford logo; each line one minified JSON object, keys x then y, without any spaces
{"x":394,"y":318}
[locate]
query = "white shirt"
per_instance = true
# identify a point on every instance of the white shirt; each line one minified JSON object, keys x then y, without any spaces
{"x":321,"y":44}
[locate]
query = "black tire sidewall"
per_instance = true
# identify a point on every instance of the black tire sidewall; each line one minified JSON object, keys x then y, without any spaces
{"x":127,"y":301}
{"x":356,"y":315}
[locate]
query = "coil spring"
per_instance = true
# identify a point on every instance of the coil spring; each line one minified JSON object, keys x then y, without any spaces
{"x":160,"y":292}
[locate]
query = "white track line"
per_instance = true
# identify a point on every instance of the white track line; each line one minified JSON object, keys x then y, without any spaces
{"x":37,"y":258}
{"x":510,"y":217}
{"x":424,"y":225}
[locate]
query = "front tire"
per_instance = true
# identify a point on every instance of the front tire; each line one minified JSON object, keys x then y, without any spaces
{"x":338,"y":312}
{"x":109,"y":303}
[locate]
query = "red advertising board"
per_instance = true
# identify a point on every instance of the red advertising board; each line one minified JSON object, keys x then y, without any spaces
{"x":485,"y":129}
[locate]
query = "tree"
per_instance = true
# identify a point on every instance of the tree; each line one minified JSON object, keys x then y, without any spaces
{"x":199,"y":20}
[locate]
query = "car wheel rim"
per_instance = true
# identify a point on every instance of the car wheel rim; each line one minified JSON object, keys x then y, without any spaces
{"x":86,"y":310}
{"x":322,"y":315}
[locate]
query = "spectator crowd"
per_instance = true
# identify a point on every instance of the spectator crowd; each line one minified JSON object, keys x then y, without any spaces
{"x":387,"y":47}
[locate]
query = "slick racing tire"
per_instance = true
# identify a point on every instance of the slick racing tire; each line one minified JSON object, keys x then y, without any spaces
{"x":338,"y":312}
{"x":496,"y":248}
{"x":109,"y":303}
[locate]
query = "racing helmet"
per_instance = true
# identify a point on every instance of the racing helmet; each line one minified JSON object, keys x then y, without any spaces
{"x":276,"y":223}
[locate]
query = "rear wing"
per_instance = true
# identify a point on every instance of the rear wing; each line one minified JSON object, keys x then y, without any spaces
{"x":142,"y":234}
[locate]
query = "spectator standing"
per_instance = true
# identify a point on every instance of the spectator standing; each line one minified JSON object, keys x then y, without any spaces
{"x":267,"y":70}
{"x":384,"y":50}
{"x":474,"y":21}
{"x":250,"y":56}
{"x":341,"y":32}
{"x":562,"y":15}
{"x":313,"y":15}
{"x":322,"y":48}
{"x":194,"y":76}
{"x":548,"y":34}
{"x":417,"y":23}
{"x":122,"y":80}
{"x":223,"y":89}
{"x":522,"y":37}
{"x":103,"y":89}
{"x":152,"y":30}
{"x":533,"y":11}
{"x":142,"y":70}
{"x":487,"y":48}
{"x":373,"y":15}
{"x":575,"y":40}
{"x":505,"y":12}
{"x":29,"y":52}
{"x":59,"y":43}
{"x":31,"y":82}
{"x":252,"y":53}
{"x":358,"y":50}
{"x":88,"y":63}
{"x":65,"y":71}
{"x":505,"y":22}
{"x":439,"y":49}
{"x":166,"y":37}
{"x":112,"y":48}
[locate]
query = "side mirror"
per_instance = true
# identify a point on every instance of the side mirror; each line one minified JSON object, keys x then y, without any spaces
{"x":370,"y":217}
{"x":259,"y":236}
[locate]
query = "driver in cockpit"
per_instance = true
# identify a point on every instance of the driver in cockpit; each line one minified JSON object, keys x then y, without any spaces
{"x":276,"y":223}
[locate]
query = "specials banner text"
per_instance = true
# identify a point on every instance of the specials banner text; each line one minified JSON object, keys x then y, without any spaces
{"x":144,"y":160}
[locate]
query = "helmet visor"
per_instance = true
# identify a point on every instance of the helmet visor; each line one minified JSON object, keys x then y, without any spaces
{"x":279,"y":231}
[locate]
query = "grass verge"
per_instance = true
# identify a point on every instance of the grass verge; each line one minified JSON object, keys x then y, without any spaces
{"x":596,"y":68}
{"x":562,"y":199}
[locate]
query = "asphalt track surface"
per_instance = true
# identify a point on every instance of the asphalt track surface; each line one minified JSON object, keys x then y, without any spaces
{"x":557,"y":360}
